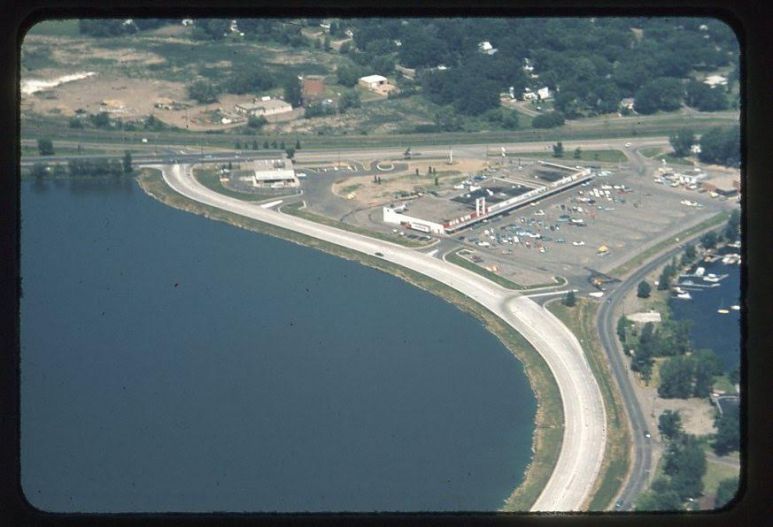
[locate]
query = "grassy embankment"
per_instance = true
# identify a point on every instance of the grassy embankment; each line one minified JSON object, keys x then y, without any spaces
{"x":455,"y":258}
{"x":602,"y":156}
{"x":548,"y":434}
{"x":581,"y":321}
{"x":297,"y":209}
{"x":211,"y":180}
{"x":34,"y":126}
{"x":658,"y":153}
{"x":640,"y":258}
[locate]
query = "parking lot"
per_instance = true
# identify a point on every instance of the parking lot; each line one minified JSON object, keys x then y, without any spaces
{"x":598,"y":225}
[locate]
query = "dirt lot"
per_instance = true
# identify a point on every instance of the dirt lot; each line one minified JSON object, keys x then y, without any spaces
{"x":137,"y":96}
{"x":369,"y":193}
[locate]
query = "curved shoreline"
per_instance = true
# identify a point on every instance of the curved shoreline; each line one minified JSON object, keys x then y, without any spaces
{"x":550,"y":426}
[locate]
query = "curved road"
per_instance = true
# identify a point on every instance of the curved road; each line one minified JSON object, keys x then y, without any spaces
{"x":642,"y":446}
{"x":571,"y":483}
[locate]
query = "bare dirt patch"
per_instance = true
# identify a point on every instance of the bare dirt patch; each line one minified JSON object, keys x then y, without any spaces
{"x":133,"y":98}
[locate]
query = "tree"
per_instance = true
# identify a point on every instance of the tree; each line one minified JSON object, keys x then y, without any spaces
{"x":348,"y":75}
{"x":265,"y":144}
{"x":292,"y":91}
{"x":709,"y":240}
{"x":733,"y":228}
{"x":256,"y":122}
{"x":290,"y":151}
{"x":45,"y":147}
{"x":726,"y":491}
{"x":622,"y":325}
{"x":558,"y":149}
{"x":681,"y":141}
{"x":721,"y":146}
{"x":75,"y":122}
{"x":644,"y":289}
{"x":577,"y":153}
{"x":663,"y":93}
{"x":670,"y":424}
{"x":247,"y":79}
{"x":548,"y":120}
{"x":39,"y":170}
{"x":685,"y":462}
{"x":127,"y":162}
{"x":689,"y":252}
{"x":570,"y":300}
{"x":254,"y":144}
{"x":703,"y":97}
{"x":326,"y":44}
{"x":349,"y":99}
{"x":728,"y":436}
{"x":202,"y":91}
{"x":297,"y":144}
{"x":676,"y":378}
{"x":664,"y":282}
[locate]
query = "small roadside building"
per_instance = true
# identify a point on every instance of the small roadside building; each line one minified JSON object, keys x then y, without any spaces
{"x":260,"y":107}
{"x":372,"y":82}
{"x":312,"y":87}
{"x":273,"y":173}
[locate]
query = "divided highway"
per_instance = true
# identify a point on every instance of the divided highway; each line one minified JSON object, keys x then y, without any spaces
{"x":571,"y":483}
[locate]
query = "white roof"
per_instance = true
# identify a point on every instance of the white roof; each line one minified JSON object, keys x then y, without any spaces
{"x":713,"y":80}
{"x":373,"y":78}
{"x":543,"y":93}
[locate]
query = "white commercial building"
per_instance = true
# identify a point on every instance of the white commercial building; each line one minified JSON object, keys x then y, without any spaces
{"x":273,"y":173}
{"x":263,"y":107}
{"x":397,"y":216}
{"x":372,"y":82}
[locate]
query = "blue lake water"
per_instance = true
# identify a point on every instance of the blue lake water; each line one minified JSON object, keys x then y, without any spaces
{"x":174,"y":363}
{"x":710,"y":329}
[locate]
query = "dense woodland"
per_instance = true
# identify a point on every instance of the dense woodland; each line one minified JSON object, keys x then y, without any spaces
{"x":590,"y":64}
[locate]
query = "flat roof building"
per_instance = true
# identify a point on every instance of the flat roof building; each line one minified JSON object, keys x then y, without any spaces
{"x":273,"y":173}
{"x":260,"y":107}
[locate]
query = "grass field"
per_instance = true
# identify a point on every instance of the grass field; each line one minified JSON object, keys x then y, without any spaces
{"x":716,"y":472}
{"x":211,"y":180}
{"x":603,"y":156}
{"x":34,"y":126}
{"x":548,"y":434}
{"x":581,"y":320}
{"x":296,"y":209}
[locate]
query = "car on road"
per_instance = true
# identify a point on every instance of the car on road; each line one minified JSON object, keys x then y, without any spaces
{"x":647,"y":434}
{"x":628,"y":145}
{"x":380,"y":255}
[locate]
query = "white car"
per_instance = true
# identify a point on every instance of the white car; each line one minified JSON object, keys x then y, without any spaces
{"x":628,"y":145}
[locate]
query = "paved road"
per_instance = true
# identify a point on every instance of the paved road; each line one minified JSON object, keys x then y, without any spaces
{"x":569,"y":487}
{"x":606,"y":323}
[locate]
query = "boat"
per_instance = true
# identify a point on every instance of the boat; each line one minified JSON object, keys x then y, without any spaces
{"x":684,"y":296}
{"x":711,"y":277}
{"x":723,"y":311}
{"x":735,"y":307}
{"x":699,"y":271}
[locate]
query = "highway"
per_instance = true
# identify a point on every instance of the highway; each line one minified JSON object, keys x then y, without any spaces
{"x":571,"y":483}
{"x":188,"y":154}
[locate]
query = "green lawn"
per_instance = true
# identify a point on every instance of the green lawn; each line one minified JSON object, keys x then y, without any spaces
{"x":673,"y":160}
{"x":210,"y":179}
{"x":296,"y":210}
{"x":603,"y":156}
{"x":650,"y":151}
{"x":716,"y":472}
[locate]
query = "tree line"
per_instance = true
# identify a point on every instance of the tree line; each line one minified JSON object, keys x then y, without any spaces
{"x":719,"y":145}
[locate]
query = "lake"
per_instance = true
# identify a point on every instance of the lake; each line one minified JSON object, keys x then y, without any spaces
{"x":174,"y":363}
{"x":710,"y":329}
